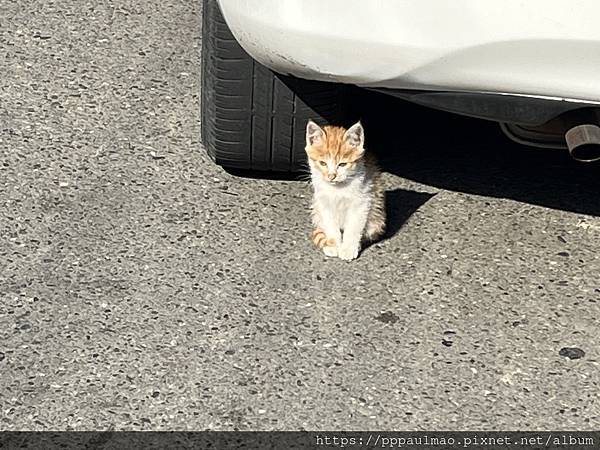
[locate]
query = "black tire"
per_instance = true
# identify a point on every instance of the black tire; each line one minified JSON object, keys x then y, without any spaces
{"x":253,"y":118}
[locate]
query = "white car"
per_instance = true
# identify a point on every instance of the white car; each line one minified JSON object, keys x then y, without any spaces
{"x":269,"y":65}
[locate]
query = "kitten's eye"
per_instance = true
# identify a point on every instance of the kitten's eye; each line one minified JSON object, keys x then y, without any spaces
{"x":342,"y":164}
{"x":323,"y":163}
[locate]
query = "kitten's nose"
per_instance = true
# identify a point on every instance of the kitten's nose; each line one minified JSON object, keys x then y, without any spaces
{"x":331,"y":176}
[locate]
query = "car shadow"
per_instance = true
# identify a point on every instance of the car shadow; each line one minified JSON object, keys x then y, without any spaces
{"x":462,"y":154}
{"x":457,"y":153}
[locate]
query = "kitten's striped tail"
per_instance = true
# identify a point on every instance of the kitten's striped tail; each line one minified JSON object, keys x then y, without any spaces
{"x":319,"y":238}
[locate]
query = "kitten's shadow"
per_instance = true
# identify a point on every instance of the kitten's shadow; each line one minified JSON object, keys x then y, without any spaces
{"x":400,"y":204}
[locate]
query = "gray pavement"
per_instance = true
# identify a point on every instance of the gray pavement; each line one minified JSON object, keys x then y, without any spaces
{"x":143,"y":287}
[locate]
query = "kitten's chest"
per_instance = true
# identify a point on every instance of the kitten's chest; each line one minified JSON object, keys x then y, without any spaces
{"x":339,"y":205}
{"x":339,"y":199}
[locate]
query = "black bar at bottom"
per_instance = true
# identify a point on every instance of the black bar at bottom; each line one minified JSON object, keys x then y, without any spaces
{"x":319,"y":440}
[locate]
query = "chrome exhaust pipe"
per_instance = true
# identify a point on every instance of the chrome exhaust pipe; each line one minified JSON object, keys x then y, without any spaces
{"x":577,"y":131}
{"x":583,"y":140}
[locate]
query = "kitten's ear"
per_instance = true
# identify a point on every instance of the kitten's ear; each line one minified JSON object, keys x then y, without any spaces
{"x":355,"y":136}
{"x":314,"y":133}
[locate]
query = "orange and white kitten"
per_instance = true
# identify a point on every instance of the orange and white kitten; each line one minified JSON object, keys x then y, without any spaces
{"x":348,"y":203}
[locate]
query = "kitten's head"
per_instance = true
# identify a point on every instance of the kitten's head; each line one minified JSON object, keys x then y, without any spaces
{"x":334,"y":152}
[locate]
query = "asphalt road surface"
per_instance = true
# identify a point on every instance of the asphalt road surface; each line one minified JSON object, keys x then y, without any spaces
{"x":143,"y":287}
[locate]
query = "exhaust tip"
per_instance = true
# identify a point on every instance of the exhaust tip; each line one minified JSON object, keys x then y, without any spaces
{"x":583,"y":142}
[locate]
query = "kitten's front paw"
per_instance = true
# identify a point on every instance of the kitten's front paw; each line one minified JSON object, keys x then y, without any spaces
{"x":348,"y":252}
{"x":330,"y":250}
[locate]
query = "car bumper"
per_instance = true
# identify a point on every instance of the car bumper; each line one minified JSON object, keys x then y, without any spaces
{"x":545,"y":48}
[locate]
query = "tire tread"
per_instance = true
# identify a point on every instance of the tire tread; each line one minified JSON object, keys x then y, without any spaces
{"x":252,"y":118}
